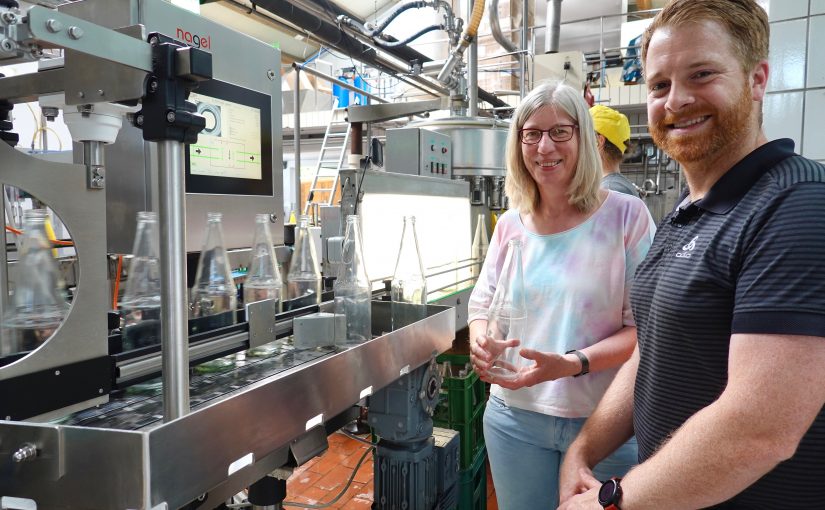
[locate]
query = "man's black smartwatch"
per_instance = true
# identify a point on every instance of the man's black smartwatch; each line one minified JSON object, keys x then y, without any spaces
{"x":611,"y":494}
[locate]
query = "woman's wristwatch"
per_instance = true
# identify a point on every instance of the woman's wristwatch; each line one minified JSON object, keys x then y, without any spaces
{"x":585,"y":362}
{"x":610,"y":494}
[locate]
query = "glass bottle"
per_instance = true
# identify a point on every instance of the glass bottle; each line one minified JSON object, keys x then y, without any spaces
{"x":480,"y":244}
{"x":263,"y":281}
{"x":352,"y":288}
{"x":409,"y":286}
{"x":304,"y":277}
{"x":214,"y":293}
{"x":507,"y":315}
{"x":140,"y":305}
{"x":37,"y":305}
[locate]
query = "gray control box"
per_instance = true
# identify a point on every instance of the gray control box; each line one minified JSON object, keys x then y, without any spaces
{"x":419,"y":151}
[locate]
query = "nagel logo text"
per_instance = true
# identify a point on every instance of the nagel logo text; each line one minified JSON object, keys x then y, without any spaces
{"x":203,"y":42}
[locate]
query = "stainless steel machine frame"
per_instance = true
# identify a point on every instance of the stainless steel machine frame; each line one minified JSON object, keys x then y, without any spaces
{"x":217,"y":449}
{"x":133,"y":179}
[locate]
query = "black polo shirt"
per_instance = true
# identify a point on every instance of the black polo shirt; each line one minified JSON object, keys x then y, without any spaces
{"x":749,"y":257}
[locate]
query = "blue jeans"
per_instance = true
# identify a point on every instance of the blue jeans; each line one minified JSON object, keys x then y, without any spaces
{"x":526,"y":450}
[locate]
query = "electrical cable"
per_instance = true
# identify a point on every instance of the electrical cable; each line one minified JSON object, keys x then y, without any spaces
{"x":117,"y":282}
{"x":340,"y":494}
{"x":55,"y":242}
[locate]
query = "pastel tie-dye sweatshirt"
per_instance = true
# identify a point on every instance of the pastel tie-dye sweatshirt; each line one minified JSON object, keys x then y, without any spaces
{"x":577,"y":286}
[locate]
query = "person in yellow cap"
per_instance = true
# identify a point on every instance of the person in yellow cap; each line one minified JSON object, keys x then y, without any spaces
{"x":612,"y":132}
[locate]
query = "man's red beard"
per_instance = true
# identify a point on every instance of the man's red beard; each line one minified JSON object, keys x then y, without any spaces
{"x":731,"y":124}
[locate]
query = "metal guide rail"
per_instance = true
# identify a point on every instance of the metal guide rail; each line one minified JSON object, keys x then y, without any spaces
{"x":241,"y":426}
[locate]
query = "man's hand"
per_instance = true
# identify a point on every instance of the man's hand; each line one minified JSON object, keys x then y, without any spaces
{"x":587,"y":501}
{"x":575,"y":477}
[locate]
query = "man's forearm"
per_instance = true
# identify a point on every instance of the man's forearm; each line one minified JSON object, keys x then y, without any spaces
{"x":611,"y":424}
{"x":706,"y":462}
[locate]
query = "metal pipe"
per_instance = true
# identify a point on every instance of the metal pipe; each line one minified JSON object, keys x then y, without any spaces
{"x":173,"y":299}
{"x":551,"y":39}
{"x":495,"y":28}
{"x":522,"y":59}
{"x":340,"y":83}
{"x":472,"y":72}
{"x":296,"y":138}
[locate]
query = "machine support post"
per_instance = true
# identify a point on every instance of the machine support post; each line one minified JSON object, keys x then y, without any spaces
{"x":173,"y":299}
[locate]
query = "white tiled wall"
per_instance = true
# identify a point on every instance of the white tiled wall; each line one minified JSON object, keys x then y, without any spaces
{"x":787,"y":54}
{"x":816,"y":52}
{"x":786,"y":9}
{"x":795,"y":104}
{"x":785,"y":113}
{"x":813,"y":144}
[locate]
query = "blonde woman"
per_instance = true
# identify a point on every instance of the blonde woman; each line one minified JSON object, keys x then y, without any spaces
{"x":581,"y":246}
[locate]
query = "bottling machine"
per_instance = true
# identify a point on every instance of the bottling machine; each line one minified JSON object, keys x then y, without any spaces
{"x":83,"y":422}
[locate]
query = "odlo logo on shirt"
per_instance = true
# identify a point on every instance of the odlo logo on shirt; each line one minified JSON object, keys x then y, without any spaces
{"x":687,"y":249}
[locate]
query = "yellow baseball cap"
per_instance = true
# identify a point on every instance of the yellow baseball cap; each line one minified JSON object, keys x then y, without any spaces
{"x":611,"y":124}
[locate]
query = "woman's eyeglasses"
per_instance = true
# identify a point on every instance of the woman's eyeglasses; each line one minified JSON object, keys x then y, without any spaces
{"x":559,"y":133}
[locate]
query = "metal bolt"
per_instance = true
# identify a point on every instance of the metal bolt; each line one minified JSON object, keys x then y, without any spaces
{"x":273,"y":218}
{"x":270,"y":74}
{"x":6,"y":45}
{"x":75,"y":32}
{"x":153,"y":85}
{"x":26,"y":452}
{"x":170,"y":117}
{"x":100,"y":391}
{"x":100,"y":92}
{"x":139,"y":120}
{"x":54,"y":26}
{"x":81,"y":95}
{"x":57,"y":372}
{"x":154,"y":40}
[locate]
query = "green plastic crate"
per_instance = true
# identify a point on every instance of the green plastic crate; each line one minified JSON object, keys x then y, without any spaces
{"x":471,"y":437}
{"x":462,"y":394}
{"x":472,"y":484}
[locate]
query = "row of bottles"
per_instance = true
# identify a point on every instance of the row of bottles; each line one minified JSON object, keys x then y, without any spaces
{"x":37,"y":307}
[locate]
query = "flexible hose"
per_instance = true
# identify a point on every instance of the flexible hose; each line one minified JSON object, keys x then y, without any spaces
{"x":409,"y":39}
{"x":394,"y":14}
{"x":475,"y":21}
{"x":466,"y":38}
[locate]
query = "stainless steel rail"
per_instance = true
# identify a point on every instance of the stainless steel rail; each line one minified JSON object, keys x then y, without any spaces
{"x":232,"y":441}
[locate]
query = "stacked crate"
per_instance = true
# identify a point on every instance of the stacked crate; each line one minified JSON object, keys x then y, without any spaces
{"x":461,"y":408}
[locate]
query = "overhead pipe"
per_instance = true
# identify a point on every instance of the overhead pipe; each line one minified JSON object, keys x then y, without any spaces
{"x":522,"y":59}
{"x":495,"y":25}
{"x":404,"y":53}
{"x":333,"y":36}
{"x":472,"y":71}
{"x":467,"y":37}
{"x":553,"y":30}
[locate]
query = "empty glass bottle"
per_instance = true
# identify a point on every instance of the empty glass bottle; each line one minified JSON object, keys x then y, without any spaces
{"x":507,"y":315}
{"x":480,"y":243}
{"x":263,"y":281}
{"x":140,"y":305}
{"x":37,"y":305}
{"x":409,"y":286}
{"x":214,"y":293}
{"x":352,"y":288}
{"x":304,"y":277}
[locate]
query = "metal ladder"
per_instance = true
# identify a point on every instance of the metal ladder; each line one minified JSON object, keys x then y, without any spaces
{"x":331,"y":156}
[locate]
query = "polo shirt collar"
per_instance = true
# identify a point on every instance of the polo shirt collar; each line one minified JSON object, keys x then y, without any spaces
{"x":732,"y":186}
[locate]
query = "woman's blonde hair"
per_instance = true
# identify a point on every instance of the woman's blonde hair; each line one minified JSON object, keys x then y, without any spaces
{"x":521,"y":189}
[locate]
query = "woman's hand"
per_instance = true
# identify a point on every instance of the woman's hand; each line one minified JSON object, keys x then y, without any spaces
{"x":548,"y":366}
{"x":484,"y":350}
